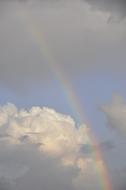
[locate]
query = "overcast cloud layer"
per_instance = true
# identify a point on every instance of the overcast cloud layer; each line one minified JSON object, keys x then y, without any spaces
{"x":72,"y":34}
{"x":116,"y":7}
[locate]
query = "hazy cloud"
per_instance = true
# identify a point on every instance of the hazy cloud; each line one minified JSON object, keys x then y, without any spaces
{"x":116,"y":114}
{"x":120,"y":177}
{"x":107,"y":145}
{"x":5,"y":184}
{"x":113,"y":6}
{"x":36,"y":39}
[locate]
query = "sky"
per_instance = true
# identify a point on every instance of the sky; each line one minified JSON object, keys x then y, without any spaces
{"x":62,"y":69}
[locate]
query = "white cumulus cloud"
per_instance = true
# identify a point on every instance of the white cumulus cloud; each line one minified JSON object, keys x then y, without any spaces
{"x":42,"y":150}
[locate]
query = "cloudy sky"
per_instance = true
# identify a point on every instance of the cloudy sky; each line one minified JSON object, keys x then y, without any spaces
{"x":56,"y":55}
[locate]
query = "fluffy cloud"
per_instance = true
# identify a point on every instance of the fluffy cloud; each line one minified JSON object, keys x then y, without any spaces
{"x":116,"y":114}
{"x":42,"y":149}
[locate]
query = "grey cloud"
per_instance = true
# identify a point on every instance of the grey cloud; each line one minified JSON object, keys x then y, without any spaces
{"x":3,"y":136}
{"x":115,"y":113}
{"x":23,"y":138}
{"x":5,"y":184}
{"x":42,"y":173}
{"x":86,"y":149}
{"x":120,"y":179}
{"x":84,"y":44}
{"x":107,"y":145}
{"x":112,"y":6}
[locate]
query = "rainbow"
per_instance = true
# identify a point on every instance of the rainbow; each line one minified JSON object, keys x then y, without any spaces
{"x":70,"y":94}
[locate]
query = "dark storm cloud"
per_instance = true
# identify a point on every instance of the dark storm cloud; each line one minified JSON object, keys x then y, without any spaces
{"x":113,"y":6}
